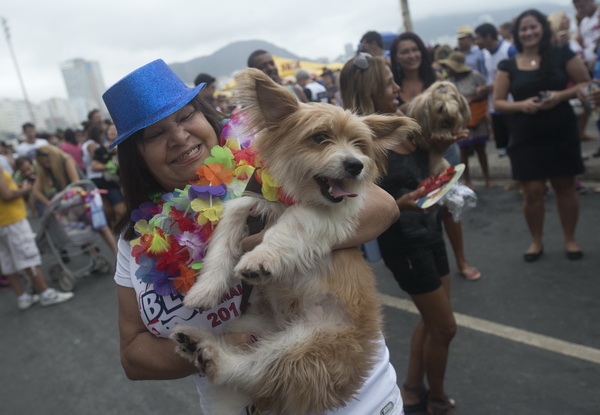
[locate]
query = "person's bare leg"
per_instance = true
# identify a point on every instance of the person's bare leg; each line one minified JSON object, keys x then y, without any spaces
{"x":567,"y":203}
{"x":415,"y":373}
{"x":455,"y":236}
{"x":440,"y":328}
{"x":483,"y":161}
{"x":464,"y":159}
{"x":109,"y":239}
{"x":534,"y":209}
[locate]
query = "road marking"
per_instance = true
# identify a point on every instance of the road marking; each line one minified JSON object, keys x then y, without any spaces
{"x":510,"y":333}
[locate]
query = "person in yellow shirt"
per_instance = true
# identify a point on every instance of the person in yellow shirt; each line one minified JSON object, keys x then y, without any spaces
{"x":18,"y":250}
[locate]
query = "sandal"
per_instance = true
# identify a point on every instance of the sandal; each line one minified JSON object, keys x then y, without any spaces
{"x":441,"y":407}
{"x":421,"y":392}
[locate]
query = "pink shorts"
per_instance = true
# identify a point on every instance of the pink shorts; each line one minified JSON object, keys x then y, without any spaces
{"x":18,"y":250}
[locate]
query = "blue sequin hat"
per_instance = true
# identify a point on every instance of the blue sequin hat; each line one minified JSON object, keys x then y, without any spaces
{"x":146,"y":96}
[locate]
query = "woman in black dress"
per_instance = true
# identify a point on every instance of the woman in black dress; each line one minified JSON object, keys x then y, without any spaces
{"x":544,"y":141}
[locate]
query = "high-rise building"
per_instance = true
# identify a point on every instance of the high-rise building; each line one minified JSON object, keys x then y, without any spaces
{"x":84,"y":82}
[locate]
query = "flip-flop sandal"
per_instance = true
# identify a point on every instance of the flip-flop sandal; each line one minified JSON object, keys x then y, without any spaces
{"x":441,"y":406}
{"x":471,"y":274}
{"x":422,"y":393}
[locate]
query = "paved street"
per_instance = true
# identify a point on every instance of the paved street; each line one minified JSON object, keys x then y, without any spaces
{"x":528,"y":339}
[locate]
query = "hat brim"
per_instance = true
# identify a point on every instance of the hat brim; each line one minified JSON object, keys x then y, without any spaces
{"x":177,"y":104}
{"x":456,"y":67}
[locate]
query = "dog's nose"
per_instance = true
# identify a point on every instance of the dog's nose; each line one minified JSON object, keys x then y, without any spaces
{"x":353,"y":166}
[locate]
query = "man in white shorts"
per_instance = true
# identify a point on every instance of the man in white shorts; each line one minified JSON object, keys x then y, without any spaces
{"x":18,"y":250}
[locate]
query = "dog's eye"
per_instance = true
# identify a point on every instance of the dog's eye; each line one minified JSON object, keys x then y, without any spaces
{"x":360,"y":144}
{"x":320,"y":137}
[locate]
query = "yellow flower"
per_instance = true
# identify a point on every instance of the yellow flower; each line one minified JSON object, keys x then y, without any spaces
{"x":269,"y":186}
{"x":208,"y":211}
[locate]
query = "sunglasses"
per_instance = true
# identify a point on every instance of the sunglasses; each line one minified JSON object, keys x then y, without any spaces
{"x":361,"y":61}
{"x":41,"y":154}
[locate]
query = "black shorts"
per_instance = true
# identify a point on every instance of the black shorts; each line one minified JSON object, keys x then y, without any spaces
{"x":418,"y":270}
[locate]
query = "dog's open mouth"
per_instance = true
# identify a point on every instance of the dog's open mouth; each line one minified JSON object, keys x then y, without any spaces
{"x":333,"y":189}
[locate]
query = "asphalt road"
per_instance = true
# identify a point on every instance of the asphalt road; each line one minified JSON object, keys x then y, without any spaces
{"x":528,"y":339}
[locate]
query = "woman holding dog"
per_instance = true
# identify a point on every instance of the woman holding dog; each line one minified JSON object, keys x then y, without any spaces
{"x":544,"y":144}
{"x":413,"y":72}
{"x":165,"y":133}
{"x":413,"y":247}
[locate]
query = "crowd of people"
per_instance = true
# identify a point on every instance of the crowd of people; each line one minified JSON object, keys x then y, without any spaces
{"x":527,"y":86}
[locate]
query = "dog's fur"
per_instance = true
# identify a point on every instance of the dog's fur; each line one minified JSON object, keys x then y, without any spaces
{"x":442,"y":112}
{"x":316,"y":313}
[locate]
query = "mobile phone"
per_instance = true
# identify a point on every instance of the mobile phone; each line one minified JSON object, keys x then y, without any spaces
{"x":542,"y":96}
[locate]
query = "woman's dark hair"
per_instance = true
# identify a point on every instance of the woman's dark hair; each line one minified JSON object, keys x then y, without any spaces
{"x":95,"y":133}
{"x":137,"y":182}
{"x":546,"y":49}
{"x":426,"y":72}
{"x":69,"y":136}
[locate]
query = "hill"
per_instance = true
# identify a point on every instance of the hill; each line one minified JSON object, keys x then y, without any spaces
{"x":226,"y":60}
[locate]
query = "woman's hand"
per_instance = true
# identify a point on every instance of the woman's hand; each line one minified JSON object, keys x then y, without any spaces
{"x":442,"y":144}
{"x":409,"y":200}
{"x":553,"y":98}
{"x":530,"y":105}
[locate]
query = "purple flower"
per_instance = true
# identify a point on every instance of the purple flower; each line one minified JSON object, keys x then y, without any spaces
{"x":145,"y":211}
{"x":195,"y":244}
{"x":204,"y":192}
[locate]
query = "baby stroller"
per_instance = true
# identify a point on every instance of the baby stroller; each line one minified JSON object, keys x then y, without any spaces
{"x":67,"y":232}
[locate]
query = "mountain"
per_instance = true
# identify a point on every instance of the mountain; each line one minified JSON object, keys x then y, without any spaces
{"x":226,"y":60}
{"x":434,"y":29}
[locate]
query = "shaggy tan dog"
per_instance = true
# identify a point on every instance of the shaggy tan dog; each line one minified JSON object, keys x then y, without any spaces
{"x":442,"y":112}
{"x":316,"y":313}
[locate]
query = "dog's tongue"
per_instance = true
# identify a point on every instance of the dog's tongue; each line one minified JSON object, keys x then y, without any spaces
{"x":336,"y":189}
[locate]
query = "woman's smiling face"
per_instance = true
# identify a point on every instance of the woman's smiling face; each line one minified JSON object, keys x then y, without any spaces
{"x":408,"y":55}
{"x":530,"y":31}
{"x":174,"y":147}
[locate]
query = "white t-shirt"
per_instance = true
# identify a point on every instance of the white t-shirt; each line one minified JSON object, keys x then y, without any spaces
{"x":26,"y":149}
{"x":499,"y":54}
{"x":379,"y":395}
{"x":87,"y":159}
{"x":590,"y":33}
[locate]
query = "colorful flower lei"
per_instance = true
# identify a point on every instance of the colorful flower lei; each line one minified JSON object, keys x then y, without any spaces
{"x":174,"y":230}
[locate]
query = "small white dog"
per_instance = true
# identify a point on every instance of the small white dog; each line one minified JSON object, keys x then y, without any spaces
{"x":316,"y":313}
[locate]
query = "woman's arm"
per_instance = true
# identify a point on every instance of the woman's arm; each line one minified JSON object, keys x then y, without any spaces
{"x":98,"y":166}
{"x":71,"y":169}
{"x":577,"y":72}
{"x":378,"y":213}
{"x":37,"y":192}
{"x":501,"y":104}
{"x":143,"y":355}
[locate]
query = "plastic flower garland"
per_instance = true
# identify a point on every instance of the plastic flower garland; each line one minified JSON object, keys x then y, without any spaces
{"x":174,"y":230}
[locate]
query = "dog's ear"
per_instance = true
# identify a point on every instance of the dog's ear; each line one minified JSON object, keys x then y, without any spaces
{"x":262,"y":99}
{"x":390,"y":130}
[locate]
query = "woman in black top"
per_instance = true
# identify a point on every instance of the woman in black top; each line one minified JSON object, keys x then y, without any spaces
{"x":544,"y":140}
{"x":413,"y":247}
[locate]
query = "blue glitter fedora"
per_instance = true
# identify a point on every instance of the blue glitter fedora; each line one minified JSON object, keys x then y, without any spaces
{"x":145,"y":96}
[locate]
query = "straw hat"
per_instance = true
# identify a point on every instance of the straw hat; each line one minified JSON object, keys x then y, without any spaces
{"x":464,"y":31}
{"x":456,"y":62}
{"x":146,"y":96}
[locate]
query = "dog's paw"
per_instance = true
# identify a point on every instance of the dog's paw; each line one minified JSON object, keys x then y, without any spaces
{"x":206,"y":293}
{"x":255,"y":268}
{"x":199,"y":351}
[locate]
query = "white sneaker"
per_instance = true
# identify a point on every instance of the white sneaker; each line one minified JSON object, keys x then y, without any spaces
{"x":25,"y":303}
{"x":52,"y":297}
